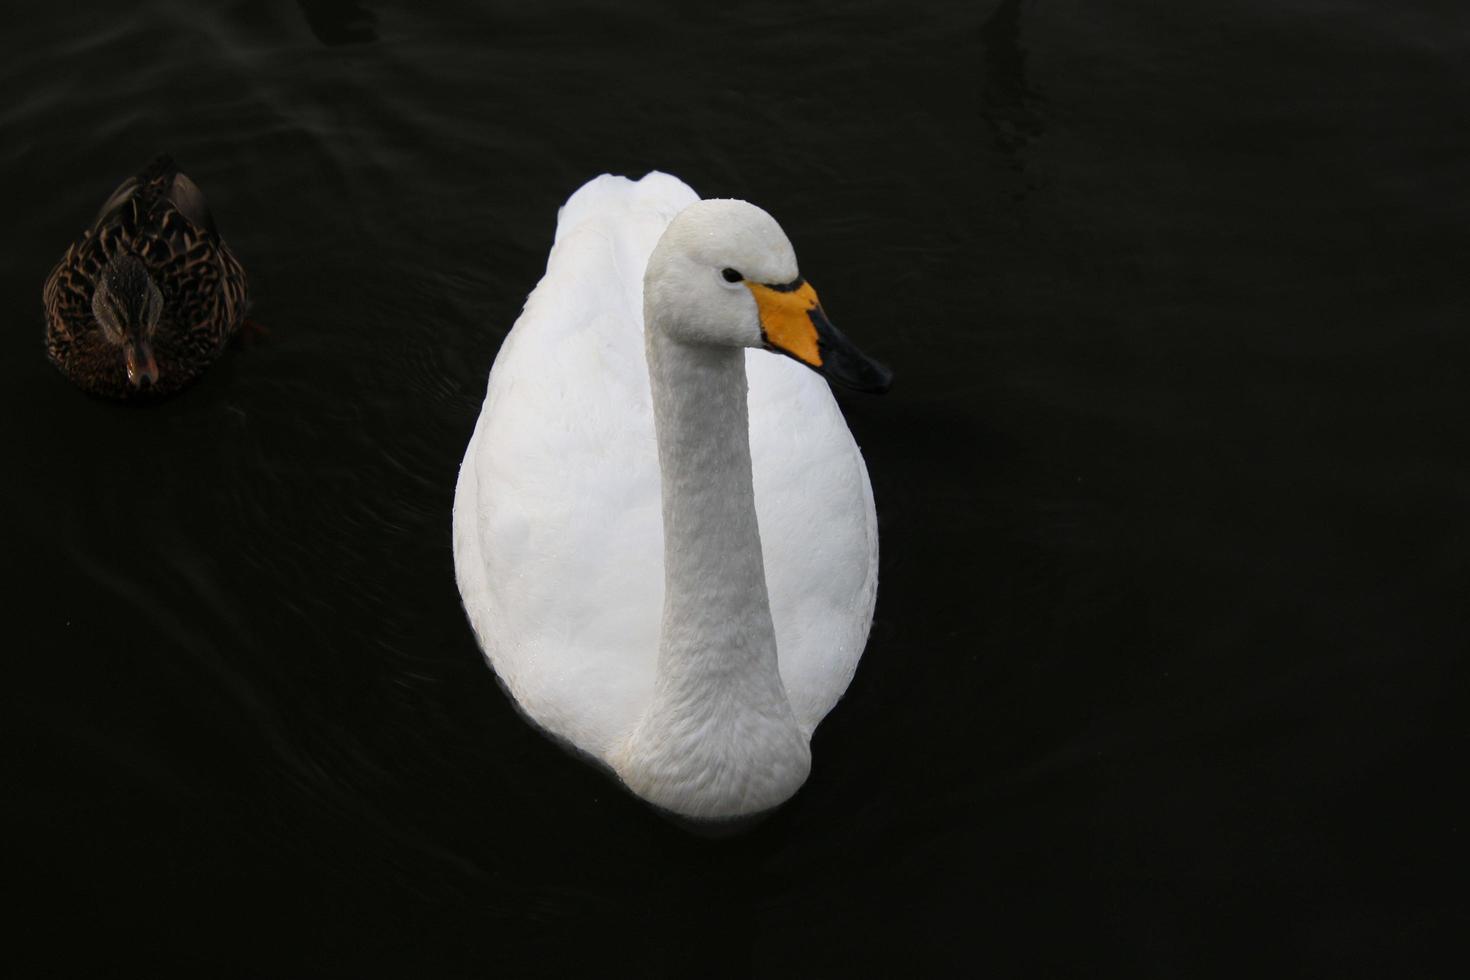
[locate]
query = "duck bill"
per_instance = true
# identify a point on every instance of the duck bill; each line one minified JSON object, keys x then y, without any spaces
{"x":793,"y":323}
{"x":142,"y":368}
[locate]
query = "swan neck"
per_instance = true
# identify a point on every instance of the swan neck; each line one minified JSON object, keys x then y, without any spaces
{"x":715,"y":602}
{"x":719,"y":738}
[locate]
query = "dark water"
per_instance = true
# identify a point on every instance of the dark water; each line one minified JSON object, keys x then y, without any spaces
{"x":1167,"y":668}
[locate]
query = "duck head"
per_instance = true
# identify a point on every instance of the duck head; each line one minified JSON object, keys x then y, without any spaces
{"x":725,"y":274}
{"x":127,"y":305}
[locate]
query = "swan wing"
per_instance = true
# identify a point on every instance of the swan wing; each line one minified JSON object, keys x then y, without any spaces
{"x":558,"y":534}
{"x":819,"y":533}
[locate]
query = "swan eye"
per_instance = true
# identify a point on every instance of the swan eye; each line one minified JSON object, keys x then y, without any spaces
{"x":731,"y":275}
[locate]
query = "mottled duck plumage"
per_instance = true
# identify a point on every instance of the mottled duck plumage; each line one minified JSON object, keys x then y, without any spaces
{"x":149,"y":295}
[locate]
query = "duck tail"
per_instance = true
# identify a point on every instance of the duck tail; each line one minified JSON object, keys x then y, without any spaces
{"x":161,"y":168}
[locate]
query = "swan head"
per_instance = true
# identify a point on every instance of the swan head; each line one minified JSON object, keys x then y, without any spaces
{"x":725,"y":274}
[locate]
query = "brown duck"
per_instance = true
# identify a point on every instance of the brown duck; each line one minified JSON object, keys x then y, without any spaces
{"x":149,"y":295}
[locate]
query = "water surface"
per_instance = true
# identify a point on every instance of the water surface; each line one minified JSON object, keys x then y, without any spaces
{"x":1172,"y":490}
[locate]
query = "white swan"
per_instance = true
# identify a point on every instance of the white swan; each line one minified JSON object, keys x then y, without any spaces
{"x":679,"y":594}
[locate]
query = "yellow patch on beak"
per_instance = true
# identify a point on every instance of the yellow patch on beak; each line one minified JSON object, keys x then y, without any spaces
{"x":786,"y":319}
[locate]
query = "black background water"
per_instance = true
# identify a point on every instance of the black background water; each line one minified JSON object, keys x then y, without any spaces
{"x":1166,"y":672}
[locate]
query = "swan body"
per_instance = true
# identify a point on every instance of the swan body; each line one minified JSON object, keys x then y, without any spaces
{"x":664,"y":538}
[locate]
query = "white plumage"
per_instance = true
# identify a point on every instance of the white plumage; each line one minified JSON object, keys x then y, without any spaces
{"x":558,"y":528}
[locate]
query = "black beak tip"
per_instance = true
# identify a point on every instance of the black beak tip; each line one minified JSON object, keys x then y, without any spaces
{"x":874,"y":379}
{"x":842,"y":363}
{"x":854,"y":371}
{"x":882,"y":378}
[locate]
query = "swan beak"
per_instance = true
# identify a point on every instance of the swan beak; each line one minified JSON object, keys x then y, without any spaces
{"x":140,"y":363}
{"x":792,"y":322}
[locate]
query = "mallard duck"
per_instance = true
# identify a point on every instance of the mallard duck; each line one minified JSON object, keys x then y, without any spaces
{"x":149,"y":295}
{"x":664,"y":534}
